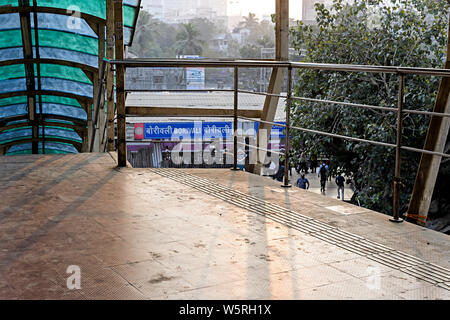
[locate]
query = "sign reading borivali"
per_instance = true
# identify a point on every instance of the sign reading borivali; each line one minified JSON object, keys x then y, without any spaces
{"x":196,"y":130}
{"x":188,"y":130}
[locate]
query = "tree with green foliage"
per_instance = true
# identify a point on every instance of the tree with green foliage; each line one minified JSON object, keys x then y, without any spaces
{"x":250,"y":22}
{"x":188,"y":40}
{"x":408,"y":33}
{"x":153,"y":38}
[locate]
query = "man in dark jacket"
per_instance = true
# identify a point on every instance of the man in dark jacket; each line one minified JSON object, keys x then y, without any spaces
{"x":323,"y":175}
{"x":340,"y":185}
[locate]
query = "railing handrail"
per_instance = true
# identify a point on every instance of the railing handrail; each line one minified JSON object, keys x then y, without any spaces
{"x":402,"y":72}
{"x":231,"y":63}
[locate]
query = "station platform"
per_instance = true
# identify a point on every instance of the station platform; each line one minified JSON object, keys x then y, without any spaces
{"x":199,"y":234}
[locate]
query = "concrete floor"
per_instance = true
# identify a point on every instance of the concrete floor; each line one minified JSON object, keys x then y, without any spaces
{"x":140,"y":234}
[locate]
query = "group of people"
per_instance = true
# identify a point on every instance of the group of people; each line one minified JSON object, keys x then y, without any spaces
{"x":322,"y":173}
{"x":302,"y":168}
{"x":306,"y":162}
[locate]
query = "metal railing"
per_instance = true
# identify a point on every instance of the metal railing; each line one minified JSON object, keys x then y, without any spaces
{"x":402,"y":72}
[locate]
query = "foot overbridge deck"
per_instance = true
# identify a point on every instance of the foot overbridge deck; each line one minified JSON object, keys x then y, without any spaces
{"x":199,"y":234}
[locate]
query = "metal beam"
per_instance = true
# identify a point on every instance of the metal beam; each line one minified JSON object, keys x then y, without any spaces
{"x":90,"y":127}
{"x":135,"y":21}
{"x":276,"y":82}
{"x":98,"y":109}
{"x":38,"y":74}
{"x":27,"y":45}
{"x":120,"y":85}
{"x":45,"y":93}
{"x":189,"y":112}
{"x":255,"y":63}
{"x":46,"y":124}
{"x":429,"y":164}
{"x":39,"y":9}
{"x":101,"y":74}
{"x":3,"y":121}
{"x":83,"y":67}
{"x":110,"y":75}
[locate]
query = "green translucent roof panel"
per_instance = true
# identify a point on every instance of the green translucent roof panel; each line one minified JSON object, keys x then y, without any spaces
{"x":13,"y":100}
{"x":63,"y":72}
{"x":58,"y":40}
{"x":50,"y":148}
{"x":45,"y":98}
{"x":50,"y":132}
{"x":96,"y":8}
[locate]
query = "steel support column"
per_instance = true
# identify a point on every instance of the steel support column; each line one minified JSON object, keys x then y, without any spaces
{"x":101,"y":117}
{"x":25,"y":24}
{"x":110,"y":75}
{"x":428,"y":170}
{"x":398,"y":159}
{"x":276,"y":82}
{"x":120,"y":85}
{"x":235,"y":117}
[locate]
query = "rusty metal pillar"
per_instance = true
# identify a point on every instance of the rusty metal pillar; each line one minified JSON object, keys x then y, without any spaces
{"x":287,"y":131}
{"x":110,"y":76}
{"x":120,"y":85}
{"x":275,"y":84}
{"x":101,"y":116}
{"x":397,"y":178}
{"x":235,"y":113}
{"x":435,"y":141}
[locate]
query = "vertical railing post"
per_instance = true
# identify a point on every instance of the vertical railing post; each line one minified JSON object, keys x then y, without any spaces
{"x":288,"y":120}
{"x":236,"y":105}
{"x":110,"y":75}
{"x":120,"y":85}
{"x":397,"y":177}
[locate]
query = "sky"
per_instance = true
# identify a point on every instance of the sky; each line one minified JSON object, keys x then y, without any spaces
{"x":265,"y":7}
{"x":261,"y":7}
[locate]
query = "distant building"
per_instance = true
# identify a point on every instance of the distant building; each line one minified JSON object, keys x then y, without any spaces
{"x":309,"y":12}
{"x":221,"y":41}
{"x":155,"y":78}
{"x":181,"y":11}
{"x":240,"y":35}
{"x":218,"y":7}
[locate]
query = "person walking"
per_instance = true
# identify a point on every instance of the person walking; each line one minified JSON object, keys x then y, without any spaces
{"x":280,"y":174}
{"x":313,"y":163}
{"x":302,"y":182}
{"x":166,"y":158}
{"x":303,"y":163}
{"x":323,"y":175}
{"x":340,"y":185}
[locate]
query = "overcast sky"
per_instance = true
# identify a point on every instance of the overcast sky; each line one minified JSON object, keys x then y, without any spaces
{"x":261,"y":7}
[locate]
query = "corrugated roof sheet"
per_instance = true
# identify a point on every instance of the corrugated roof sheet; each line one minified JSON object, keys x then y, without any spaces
{"x":219,"y":100}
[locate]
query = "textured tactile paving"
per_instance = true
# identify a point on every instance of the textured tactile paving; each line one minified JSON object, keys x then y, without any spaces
{"x":390,"y":257}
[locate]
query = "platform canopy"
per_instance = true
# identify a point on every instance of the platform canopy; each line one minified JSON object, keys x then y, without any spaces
{"x":46,"y":78}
